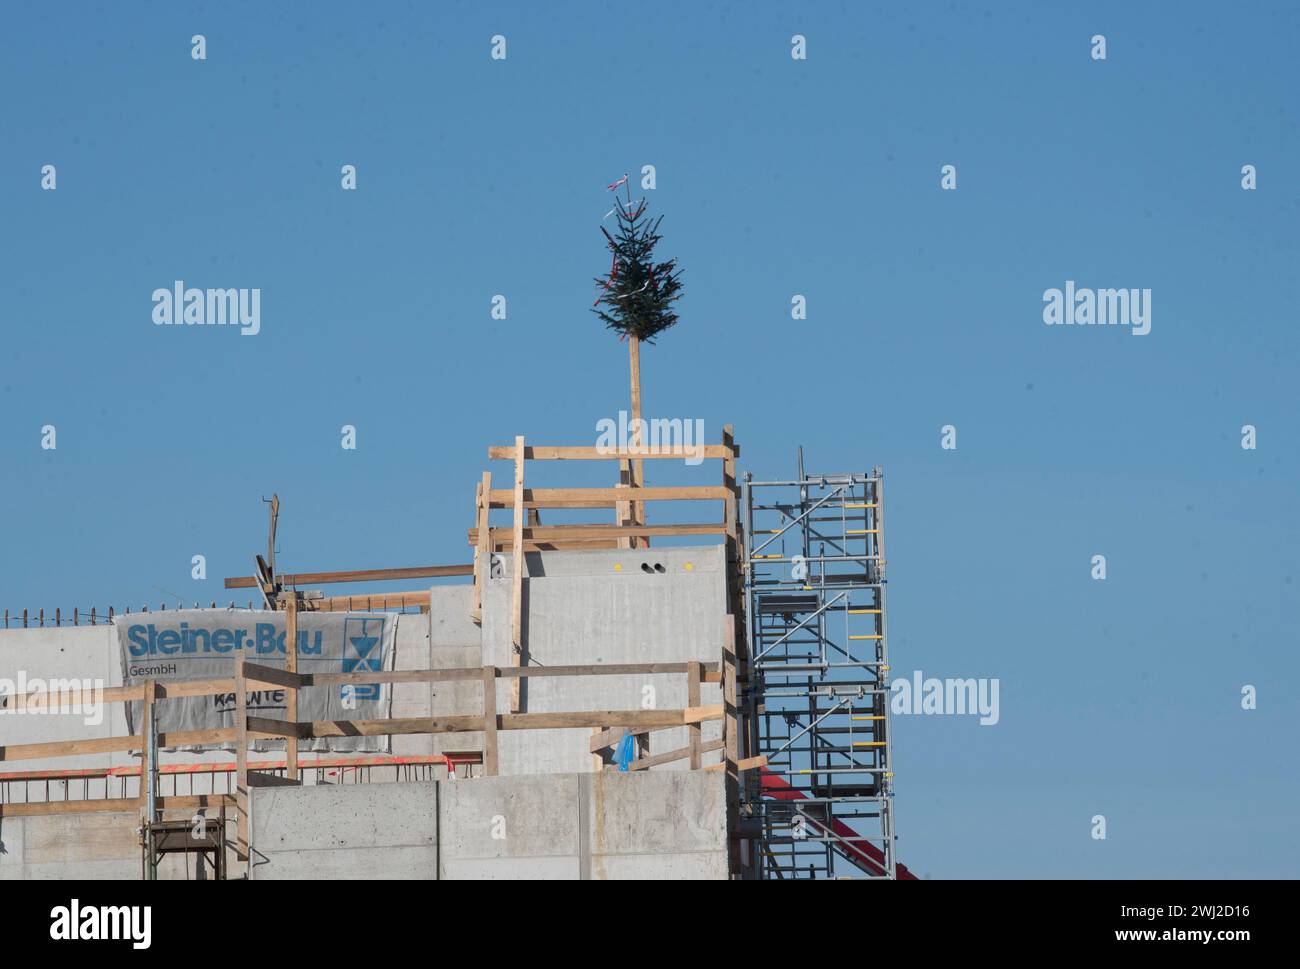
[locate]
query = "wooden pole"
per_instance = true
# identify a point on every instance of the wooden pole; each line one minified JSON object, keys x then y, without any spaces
{"x":291,"y":698}
{"x":517,"y":563}
{"x":490,"y":721}
{"x":146,"y":752}
{"x":241,"y":762}
{"x":693,"y":677}
{"x":638,"y":466}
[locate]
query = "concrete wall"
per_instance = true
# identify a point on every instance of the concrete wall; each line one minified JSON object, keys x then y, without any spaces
{"x":603,"y":607}
{"x":669,"y":825}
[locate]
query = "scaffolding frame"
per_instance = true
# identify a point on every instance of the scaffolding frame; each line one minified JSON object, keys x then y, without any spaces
{"x":818,"y":700}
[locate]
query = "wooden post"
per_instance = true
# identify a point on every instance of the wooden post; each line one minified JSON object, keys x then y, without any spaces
{"x":517,"y":563}
{"x":638,"y":466}
{"x":731,"y":521}
{"x":731,"y":741}
{"x":241,"y":762}
{"x":693,"y":700}
{"x":146,"y":751}
{"x":483,"y":549}
{"x":490,"y":721}
{"x":291,"y":665}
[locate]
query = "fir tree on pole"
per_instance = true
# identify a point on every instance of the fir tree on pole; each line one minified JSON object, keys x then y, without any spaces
{"x":636,"y":300}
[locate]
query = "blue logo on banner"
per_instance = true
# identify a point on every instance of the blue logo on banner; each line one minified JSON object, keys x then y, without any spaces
{"x":362,"y":653}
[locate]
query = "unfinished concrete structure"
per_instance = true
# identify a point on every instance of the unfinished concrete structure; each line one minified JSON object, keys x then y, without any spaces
{"x":593,"y":714}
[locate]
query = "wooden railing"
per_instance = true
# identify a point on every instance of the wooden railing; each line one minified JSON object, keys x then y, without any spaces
{"x":607,"y":727}
{"x":526,"y":533}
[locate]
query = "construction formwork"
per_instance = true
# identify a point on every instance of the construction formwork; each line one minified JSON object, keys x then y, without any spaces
{"x":818,"y":703}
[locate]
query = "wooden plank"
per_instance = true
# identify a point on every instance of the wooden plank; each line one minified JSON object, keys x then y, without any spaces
{"x":699,"y":714}
{"x":49,"y":700}
{"x":291,"y":701}
{"x":553,"y":545}
{"x":373,"y":602}
{"x":637,"y":477}
{"x":749,"y":763}
{"x":623,"y":509}
{"x":255,"y":674}
{"x":241,"y":763}
{"x":108,"y":745}
{"x":146,"y":774}
{"x":730,"y":737}
{"x":357,"y":575}
{"x":506,"y":452}
{"x":517,"y":658}
{"x":555,"y":533}
{"x":110,"y":805}
{"x":32,"y":809}
{"x":712,"y":673}
{"x":490,"y":721}
{"x":693,"y":732}
{"x":483,"y":551}
{"x":608,"y":737}
{"x":190,"y":801}
{"x":603,"y":497}
{"x":264,"y":728}
{"x":673,"y":755}
{"x":637,"y":720}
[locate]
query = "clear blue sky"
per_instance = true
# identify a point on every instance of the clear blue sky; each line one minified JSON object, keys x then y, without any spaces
{"x":776,"y":177}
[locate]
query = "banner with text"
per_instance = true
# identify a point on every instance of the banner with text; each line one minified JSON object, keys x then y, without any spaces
{"x":201,"y":644}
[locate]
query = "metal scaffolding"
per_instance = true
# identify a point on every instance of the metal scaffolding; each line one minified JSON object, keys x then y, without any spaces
{"x":818,"y":703}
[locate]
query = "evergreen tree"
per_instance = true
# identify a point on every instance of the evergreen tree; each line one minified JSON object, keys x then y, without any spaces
{"x":637,"y":296}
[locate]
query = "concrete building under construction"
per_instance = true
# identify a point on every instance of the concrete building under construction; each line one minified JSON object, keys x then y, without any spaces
{"x":582,"y":700}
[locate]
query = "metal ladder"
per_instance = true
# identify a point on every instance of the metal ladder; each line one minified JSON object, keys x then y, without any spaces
{"x":818,"y":703}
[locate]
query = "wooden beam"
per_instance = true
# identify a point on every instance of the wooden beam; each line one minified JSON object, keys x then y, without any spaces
{"x":255,"y":674}
{"x":557,"y":533}
{"x":370,"y":602}
{"x":553,"y":545}
{"x":357,"y":575}
{"x":490,"y":721}
{"x":517,"y":658}
{"x":264,"y":728}
{"x":241,"y":763}
{"x":637,"y":477}
{"x":110,"y":805}
{"x":108,"y":745}
{"x":482,"y":551}
{"x":749,"y":763}
{"x":607,"y":737}
{"x":506,"y":452}
{"x":146,"y":773}
{"x":731,"y":736}
{"x":699,"y":714}
{"x":31,"y":809}
{"x":291,"y":669}
{"x":636,"y":720}
{"x":693,"y":676}
{"x":603,"y":497}
{"x":673,"y":755}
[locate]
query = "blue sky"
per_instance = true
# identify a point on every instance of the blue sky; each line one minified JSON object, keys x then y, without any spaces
{"x":776,"y":177}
